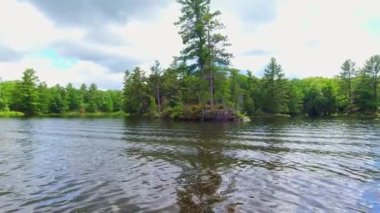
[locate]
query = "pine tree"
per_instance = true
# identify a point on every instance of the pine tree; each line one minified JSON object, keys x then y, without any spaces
{"x":135,"y":95}
{"x":363,"y":93}
{"x":93,"y":105}
{"x":347,"y":75}
{"x":275,"y":90}
{"x":205,"y":45}
{"x":27,"y":93}
{"x":372,"y":69}
{"x":43,"y":98}
{"x":155,"y":79}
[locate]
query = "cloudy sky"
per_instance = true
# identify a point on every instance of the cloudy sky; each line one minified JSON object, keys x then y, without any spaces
{"x":96,"y":40}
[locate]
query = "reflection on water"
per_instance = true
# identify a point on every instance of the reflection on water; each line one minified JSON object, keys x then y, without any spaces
{"x":116,"y":165}
{"x":199,"y":181}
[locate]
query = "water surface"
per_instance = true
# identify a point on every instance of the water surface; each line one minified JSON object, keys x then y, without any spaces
{"x":134,"y":165}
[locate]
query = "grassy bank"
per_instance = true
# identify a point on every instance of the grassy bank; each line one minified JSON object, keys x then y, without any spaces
{"x":190,"y":113}
{"x":203,"y":113}
{"x":267,"y":115}
{"x":8,"y":114}
{"x":87,"y":114}
{"x":360,"y":115}
{"x":336,"y":115}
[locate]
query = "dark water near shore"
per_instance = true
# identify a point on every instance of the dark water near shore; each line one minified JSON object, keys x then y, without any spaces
{"x":117,"y":165}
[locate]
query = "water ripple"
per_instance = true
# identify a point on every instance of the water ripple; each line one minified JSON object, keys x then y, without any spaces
{"x":116,"y":165}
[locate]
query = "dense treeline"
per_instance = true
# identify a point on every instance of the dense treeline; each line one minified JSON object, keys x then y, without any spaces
{"x":32,"y":97}
{"x":175,"y":91}
{"x":200,"y":84}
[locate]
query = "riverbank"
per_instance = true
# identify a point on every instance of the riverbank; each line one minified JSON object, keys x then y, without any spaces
{"x":359,"y":115}
{"x":91,"y":114}
{"x":336,"y":115}
{"x":189,"y":114}
{"x":65,"y":115}
{"x":10,"y":114}
{"x":203,"y":113}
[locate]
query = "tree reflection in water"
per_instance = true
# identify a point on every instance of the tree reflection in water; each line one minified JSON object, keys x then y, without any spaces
{"x":199,"y":186}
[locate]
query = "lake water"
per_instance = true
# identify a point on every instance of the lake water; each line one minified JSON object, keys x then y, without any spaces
{"x":134,"y":165}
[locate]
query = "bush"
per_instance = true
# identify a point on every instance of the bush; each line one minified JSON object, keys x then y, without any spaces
{"x":173,"y":112}
{"x":2,"y":104}
{"x":11,"y":114}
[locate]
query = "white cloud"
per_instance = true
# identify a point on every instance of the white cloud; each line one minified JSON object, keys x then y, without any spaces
{"x":81,"y":72}
{"x":24,"y":28}
{"x":154,"y":40}
{"x":309,"y":38}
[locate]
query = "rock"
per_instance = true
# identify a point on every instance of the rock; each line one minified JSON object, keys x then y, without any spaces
{"x":245,"y":119}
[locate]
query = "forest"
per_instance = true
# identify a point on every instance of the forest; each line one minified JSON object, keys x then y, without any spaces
{"x":201,"y":84}
{"x":174,"y":92}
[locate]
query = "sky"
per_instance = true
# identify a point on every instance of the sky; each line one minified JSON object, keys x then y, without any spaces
{"x":85,"y":41}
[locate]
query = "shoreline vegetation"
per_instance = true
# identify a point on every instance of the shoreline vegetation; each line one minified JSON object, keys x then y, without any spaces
{"x":181,"y":117}
{"x":200,"y":85}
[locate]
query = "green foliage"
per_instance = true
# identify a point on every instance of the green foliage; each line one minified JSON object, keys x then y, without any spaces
{"x":30,"y":97}
{"x":74,"y":98}
{"x":135,"y":92}
{"x":236,"y":91}
{"x":155,"y":82}
{"x":27,"y":93}
{"x":3,"y":105}
{"x":44,"y":97}
{"x":367,"y":92}
{"x":363,"y":95}
{"x":106,"y":103}
{"x":173,"y":112}
{"x":7,"y":113}
{"x":347,"y":75}
{"x":116,"y":98}
{"x":58,"y":103}
{"x":296,"y":96}
{"x":329,"y":100}
{"x":205,"y":46}
{"x":7,"y":90}
{"x":275,"y":89}
{"x":93,"y":96}
{"x":313,"y":102}
{"x":320,"y":96}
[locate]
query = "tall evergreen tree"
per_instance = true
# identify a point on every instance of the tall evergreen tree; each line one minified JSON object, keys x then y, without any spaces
{"x":27,"y":93}
{"x":372,"y":69}
{"x":205,"y":45}
{"x":93,"y":96}
{"x":136,"y":98}
{"x":347,"y":75}
{"x":296,"y":96}
{"x":155,"y":79}
{"x":275,"y":90}
{"x":236,"y":91}
{"x":44,"y":97}
{"x":363,"y":93}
